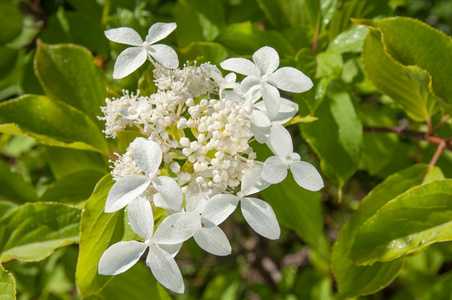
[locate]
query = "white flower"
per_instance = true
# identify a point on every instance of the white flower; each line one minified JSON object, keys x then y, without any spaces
{"x":275,"y":167}
{"x":148,"y":156}
{"x":132,"y":58}
{"x":259,"y":214}
{"x":209,"y":236}
{"x":228,"y":82}
{"x":263,"y":78}
{"x":261,"y":120}
{"x":173,"y":230}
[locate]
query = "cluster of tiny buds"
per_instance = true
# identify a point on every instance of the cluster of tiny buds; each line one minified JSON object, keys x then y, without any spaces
{"x":204,"y":143}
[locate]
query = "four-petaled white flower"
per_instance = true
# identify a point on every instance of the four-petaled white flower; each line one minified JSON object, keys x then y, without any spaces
{"x":227,"y":82}
{"x":133,"y":57}
{"x":173,"y":230}
{"x":257,"y":213}
{"x":148,"y":156}
{"x":263,"y":78}
{"x":275,"y":167}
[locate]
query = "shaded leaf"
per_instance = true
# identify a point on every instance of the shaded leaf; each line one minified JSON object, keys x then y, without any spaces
{"x":336,"y":136}
{"x":15,"y":188}
{"x":34,"y":230}
{"x":72,"y":188}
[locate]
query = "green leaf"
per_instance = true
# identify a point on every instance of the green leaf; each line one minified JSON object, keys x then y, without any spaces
{"x":7,"y":285}
{"x":137,"y":283}
{"x":98,"y":231}
{"x":34,"y":230}
{"x":10,"y":22}
{"x":410,"y":42}
{"x":405,"y":224}
{"x":329,"y":64}
{"x":77,"y":28}
{"x":68,"y":74}
{"x":65,"y":161}
{"x":349,"y":41}
{"x":245,"y":38}
{"x":198,"y":20}
{"x":15,"y":188}
{"x":146,"y":83}
{"x":300,"y":210}
{"x":204,"y":52}
{"x":392,"y":79}
{"x":51,"y":123}
{"x":353,"y":280}
{"x":72,"y":188}
{"x":336,"y":136}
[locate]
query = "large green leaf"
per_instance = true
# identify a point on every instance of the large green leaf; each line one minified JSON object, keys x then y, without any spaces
{"x":10,"y":22}
{"x":245,"y":38}
{"x":300,"y":210}
{"x":7,"y":285}
{"x":51,"y":122}
{"x":353,"y":280}
{"x":407,"y":223}
{"x":98,"y":231}
{"x":198,"y":20}
{"x":68,"y":74}
{"x":75,"y":27}
{"x":16,"y":189}
{"x":137,"y":283}
{"x":336,"y":136}
{"x":34,"y":230}
{"x":65,"y":161}
{"x":349,"y":41}
{"x":393,"y":79}
{"x":72,"y":188}
{"x":410,"y":42}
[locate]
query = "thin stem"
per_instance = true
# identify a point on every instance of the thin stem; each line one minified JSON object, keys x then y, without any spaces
{"x":440,"y":124}
{"x":316,"y":36}
{"x":438,"y":152}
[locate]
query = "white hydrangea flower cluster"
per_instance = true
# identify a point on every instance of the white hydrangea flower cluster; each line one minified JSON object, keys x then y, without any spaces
{"x":194,"y":159}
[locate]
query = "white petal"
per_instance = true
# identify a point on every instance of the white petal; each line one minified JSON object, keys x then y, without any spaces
{"x":164,"y":55}
{"x":274,"y":170}
{"x":260,"y":216}
{"x":128,"y":61}
{"x":250,"y":87}
{"x":125,"y":190}
{"x":213,"y":240}
{"x":165,"y":269}
{"x":170,"y":192}
{"x":280,"y":141}
{"x":171,"y":249}
{"x":287,"y":109}
{"x":159,"y":31}
{"x":219,"y":207}
{"x":260,"y":126}
{"x":231,"y":77}
{"x":291,"y":80}
{"x":147,"y":155}
{"x":252,"y":181}
{"x":271,"y":98}
{"x":241,"y":66}
{"x":195,"y":202}
{"x":177,"y":228}
{"x":124,"y":35}
{"x":120,"y":257}
{"x":141,"y":218}
{"x":306,"y":175}
{"x":266,"y":59}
